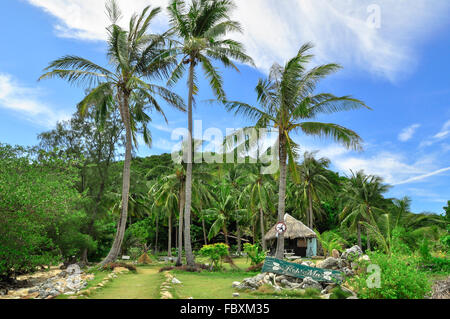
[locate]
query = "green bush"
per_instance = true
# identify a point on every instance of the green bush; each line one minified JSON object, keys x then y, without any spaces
{"x":40,"y":211}
{"x":215,"y":252}
{"x":255,"y":253}
{"x":429,"y":262}
{"x":400,"y":278}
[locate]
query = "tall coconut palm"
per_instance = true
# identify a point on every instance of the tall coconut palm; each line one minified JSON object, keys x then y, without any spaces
{"x":200,"y":31}
{"x":313,"y":181}
{"x":259,"y":191}
{"x":287,"y":104}
{"x":363,"y":195}
{"x":135,"y":56}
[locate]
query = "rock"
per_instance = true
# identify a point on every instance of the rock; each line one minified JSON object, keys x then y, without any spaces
{"x":235,"y":284}
{"x":308,"y":282}
{"x":345,"y":289}
{"x":348,"y":272}
{"x":352,"y":253}
{"x":166,"y":295}
{"x":298,"y":261}
{"x":352,"y":297}
{"x":330,"y":263}
{"x":120,"y":270}
{"x":364,"y":258}
{"x":249,"y":283}
{"x":236,"y":294}
{"x":175,"y":281}
{"x":328,"y":289}
{"x":326,"y":296}
{"x":335,"y":253}
{"x":308,"y":263}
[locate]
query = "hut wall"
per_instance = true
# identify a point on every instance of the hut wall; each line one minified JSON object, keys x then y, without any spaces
{"x":311,"y":250}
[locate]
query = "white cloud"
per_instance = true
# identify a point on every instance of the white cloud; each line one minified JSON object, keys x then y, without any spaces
{"x":438,"y":137}
{"x":408,"y":133}
{"x":165,"y":145}
{"x":25,"y":103}
{"x":424,"y":176}
{"x":275,"y":29}
{"x":396,"y":168}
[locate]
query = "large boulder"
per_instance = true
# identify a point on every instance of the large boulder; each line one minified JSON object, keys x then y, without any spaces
{"x":251,"y":283}
{"x":308,"y":282}
{"x":352,"y":253}
{"x":330,"y":263}
{"x":335,"y":253}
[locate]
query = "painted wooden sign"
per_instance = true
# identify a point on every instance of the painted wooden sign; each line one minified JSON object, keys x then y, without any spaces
{"x":281,"y":267}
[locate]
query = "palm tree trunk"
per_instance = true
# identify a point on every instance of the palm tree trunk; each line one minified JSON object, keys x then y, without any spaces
{"x":187,"y":215}
{"x":225,"y":233}
{"x":156,"y":240}
{"x":117,"y":244}
{"x":205,"y":238}
{"x":169,"y":238}
{"x":180,"y":226}
{"x":311,"y":216}
{"x":279,"y":253}
{"x":261,"y":223}
{"x":238,"y":230}
{"x":359,"y":235}
{"x":368,"y":239}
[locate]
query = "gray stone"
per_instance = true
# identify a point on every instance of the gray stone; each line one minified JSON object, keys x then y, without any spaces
{"x":176,"y":281}
{"x":328,"y":289}
{"x":236,"y":294}
{"x":352,"y":253}
{"x":308,"y":282}
{"x":330,"y":263}
{"x":235,"y":284}
{"x":348,"y":272}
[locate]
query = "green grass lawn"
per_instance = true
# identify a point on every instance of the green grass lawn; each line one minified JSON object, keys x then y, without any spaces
{"x":144,"y":284}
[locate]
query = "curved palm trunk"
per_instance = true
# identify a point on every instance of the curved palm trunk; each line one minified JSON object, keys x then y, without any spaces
{"x":169,"y":237}
{"x":261,"y":223}
{"x":187,"y":215}
{"x":180,"y":227}
{"x":279,"y":253}
{"x":117,"y":244}
{"x":225,"y":233}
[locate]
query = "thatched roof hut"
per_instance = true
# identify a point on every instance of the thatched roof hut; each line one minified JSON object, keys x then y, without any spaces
{"x":295,"y":229}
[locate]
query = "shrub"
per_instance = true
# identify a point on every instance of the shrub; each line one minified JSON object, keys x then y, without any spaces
{"x":255,"y":253}
{"x":429,"y":262}
{"x":41,"y":212}
{"x":215,"y":252}
{"x":400,"y":278}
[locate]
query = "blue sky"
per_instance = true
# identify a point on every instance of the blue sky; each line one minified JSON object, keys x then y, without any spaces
{"x":395,"y":55}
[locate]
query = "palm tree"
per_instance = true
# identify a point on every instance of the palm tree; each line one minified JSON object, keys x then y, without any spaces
{"x":259,"y":191}
{"x":222,"y":208}
{"x":134,"y":56}
{"x":200,"y":31}
{"x":362,"y":195}
{"x":287,"y":101}
{"x":398,"y":223}
{"x":313,"y":182}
